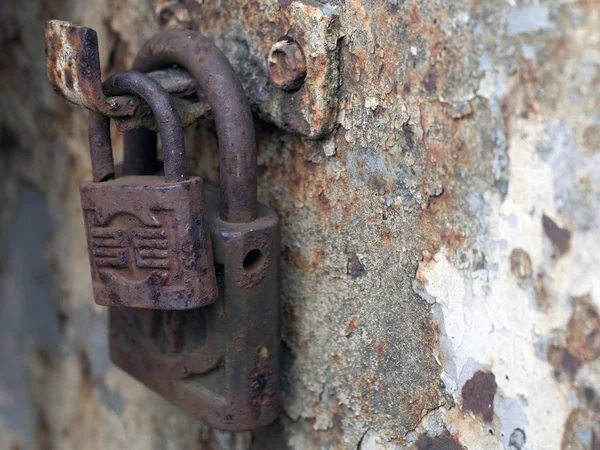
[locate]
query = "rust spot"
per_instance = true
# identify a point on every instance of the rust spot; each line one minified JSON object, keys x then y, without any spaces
{"x":365,"y":388}
{"x":560,"y":237}
{"x":522,"y":98}
{"x":521,"y":267}
{"x":443,"y":442}
{"x":355,"y":268}
{"x":478,"y":395}
{"x":583,"y":332}
{"x":380,"y":349}
{"x":430,"y":80}
{"x":388,"y":236}
{"x":452,"y":237}
{"x":563,"y":361}
{"x":324,"y":204}
{"x":299,"y":261}
{"x":414,"y":17}
{"x":578,"y":427}
{"x":542,"y":296}
{"x":68,"y":78}
{"x":351,"y":326}
{"x":430,"y":335}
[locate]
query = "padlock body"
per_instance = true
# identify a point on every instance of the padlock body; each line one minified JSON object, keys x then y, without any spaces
{"x":220,"y":363}
{"x":149,"y":243}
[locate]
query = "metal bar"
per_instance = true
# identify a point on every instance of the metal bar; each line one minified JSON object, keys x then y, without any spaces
{"x":163,"y":109}
{"x":231,"y":112}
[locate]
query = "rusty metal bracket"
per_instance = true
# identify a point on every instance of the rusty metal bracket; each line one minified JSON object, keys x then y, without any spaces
{"x":73,"y":66}
{"x":249,"y":32}
{"x":300,"y":97}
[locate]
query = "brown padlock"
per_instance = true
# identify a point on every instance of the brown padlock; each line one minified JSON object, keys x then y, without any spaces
{"x":148,"y":236}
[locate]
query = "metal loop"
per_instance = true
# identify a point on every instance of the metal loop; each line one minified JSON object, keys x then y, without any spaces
{"x":162,"y":107}
{"x":231,"y":112}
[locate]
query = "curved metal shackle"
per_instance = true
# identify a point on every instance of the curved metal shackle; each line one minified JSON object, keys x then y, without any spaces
{"x":230,"y":109}
{"x":169,"y":126}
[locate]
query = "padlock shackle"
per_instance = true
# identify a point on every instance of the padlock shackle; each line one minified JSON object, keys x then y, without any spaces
{"x":169,"y":126}
{"x":231,"y":111}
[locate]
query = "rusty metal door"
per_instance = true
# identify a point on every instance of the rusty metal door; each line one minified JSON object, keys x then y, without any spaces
{"x":434,"y":166}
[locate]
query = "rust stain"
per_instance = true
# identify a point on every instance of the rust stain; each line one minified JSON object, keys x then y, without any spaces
{"x":542,"y":296}
{"x":314,"y":262}
{"x":380,"y":349}
{"x":563,"y":361}
{"x":414,"y":18}
{"x":478,"y":395}
{"x":352,"y":326}
{"x":430,"y":335}
{"x":445,"y":441}
{"x":451,"y":237}
{"x":521,"y":267}
{"x":324,"y":205}
{"x":355,"y":267}
{"x":581,"y":343}
{"x":580,"y":425}
{"x":560,"y":237}
{"x":583,"y":330}
{"x":523,"y":98}
{"x":366,"y":386}
{"x":430,"y":81}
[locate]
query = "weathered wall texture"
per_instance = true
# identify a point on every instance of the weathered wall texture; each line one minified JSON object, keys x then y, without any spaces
{"x":441,"y":268}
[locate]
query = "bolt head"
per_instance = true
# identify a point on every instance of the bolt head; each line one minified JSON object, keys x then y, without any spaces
{"x":287,"y":65}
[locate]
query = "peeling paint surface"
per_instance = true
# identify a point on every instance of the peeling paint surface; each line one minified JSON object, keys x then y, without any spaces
{"x":440,"y":244}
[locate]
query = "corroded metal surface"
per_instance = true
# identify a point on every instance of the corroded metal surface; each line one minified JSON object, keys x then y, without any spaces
{"x":73,"y":67}
{"x":287,"y":65}
{"x":310,"y":111}
{"x":416,"y":259}
{"x":252,"y":29}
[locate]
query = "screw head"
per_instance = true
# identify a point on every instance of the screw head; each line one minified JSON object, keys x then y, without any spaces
{"x":287,"y":65}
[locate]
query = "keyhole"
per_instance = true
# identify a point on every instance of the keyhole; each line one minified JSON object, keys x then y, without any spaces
{"x":253,"y":259}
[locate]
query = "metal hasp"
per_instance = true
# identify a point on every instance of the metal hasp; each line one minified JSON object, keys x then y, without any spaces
{"x":219,"y":362}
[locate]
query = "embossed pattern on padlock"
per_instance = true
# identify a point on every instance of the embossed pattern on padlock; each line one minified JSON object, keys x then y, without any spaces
{"x":148,"y":236}
{"x":220,"y":363}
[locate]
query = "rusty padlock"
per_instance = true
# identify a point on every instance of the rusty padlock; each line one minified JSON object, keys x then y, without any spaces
{"x":148,"y":237}
{"x":220,"y":363}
